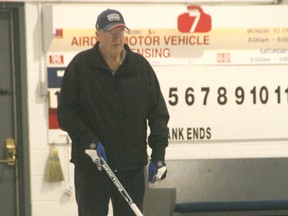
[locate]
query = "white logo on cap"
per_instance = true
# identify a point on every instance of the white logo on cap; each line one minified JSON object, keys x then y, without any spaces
{"x":113,"y":17}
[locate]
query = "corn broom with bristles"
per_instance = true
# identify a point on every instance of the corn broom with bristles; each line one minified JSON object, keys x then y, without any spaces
{"x":53,"y":172}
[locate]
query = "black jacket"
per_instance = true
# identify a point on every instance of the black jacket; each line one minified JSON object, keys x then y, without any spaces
{"x":94,"y":104}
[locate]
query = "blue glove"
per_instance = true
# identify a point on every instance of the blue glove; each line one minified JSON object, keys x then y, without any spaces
{"x":95,"y":152}
{"x":157,"y":172}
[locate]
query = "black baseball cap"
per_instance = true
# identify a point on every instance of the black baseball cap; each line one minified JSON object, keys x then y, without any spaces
{"x":109,"y":19}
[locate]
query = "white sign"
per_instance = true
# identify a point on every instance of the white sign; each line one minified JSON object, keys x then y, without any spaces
{"x":223,"y":75}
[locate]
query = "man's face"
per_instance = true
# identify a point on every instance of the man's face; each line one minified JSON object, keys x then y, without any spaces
{"x":112,"y":42}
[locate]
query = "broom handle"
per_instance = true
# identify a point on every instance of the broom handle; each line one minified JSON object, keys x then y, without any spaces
{"x":120,"y":188}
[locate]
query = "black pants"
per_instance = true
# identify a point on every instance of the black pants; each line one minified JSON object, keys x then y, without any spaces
{"x":93,"y":193}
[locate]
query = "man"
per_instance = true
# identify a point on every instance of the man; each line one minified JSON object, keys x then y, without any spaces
{"x":108,"y":96}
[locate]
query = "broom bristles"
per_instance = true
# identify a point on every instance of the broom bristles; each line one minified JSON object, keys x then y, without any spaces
{"x":54,"y":171}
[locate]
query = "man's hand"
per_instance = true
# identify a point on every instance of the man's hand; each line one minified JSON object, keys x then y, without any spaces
{"x":95,"y":152}
{"x":157,"y":171}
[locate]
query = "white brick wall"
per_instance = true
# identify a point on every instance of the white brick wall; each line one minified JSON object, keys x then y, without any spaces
{"x":50,"y":198}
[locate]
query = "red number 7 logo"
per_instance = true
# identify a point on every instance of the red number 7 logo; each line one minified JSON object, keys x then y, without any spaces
{"x":195,"y":20}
